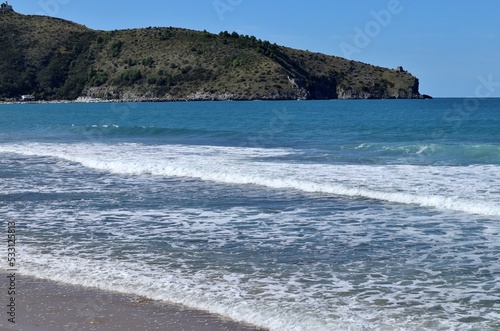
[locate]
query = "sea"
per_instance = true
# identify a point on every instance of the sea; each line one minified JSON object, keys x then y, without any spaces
{"x":289,"y":215}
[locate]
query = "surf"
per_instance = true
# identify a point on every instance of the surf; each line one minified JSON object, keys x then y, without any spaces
{"x":468,"y":189}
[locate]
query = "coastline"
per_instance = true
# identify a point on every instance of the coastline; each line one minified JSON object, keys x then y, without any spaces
{"x":182,"y":100}
{"x":43,"y":305}
{"x":194,"y":98}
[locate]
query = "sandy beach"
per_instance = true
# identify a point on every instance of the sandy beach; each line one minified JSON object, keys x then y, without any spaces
{"x":48,"y":306}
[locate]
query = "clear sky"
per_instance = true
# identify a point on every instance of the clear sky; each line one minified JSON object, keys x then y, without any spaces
{"x":452,"y":46}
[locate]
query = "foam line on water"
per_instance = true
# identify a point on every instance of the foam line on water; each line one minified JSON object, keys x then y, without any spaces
{"x":470,"y":189}
{"x":139,"y":279}
{"x":202,"y":291}
{"x":259,"y":283}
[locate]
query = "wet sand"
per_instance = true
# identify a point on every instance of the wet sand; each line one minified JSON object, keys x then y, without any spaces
{"x":49,"y":306}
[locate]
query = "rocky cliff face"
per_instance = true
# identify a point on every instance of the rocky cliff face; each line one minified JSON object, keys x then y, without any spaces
{"x":383,"y":94}
{"x":58,"y":59}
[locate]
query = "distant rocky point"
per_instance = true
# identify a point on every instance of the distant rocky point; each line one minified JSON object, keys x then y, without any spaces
{"x":53,"y":59}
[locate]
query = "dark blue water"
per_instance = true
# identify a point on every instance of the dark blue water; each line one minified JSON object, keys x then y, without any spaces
{"x":335,"y":215}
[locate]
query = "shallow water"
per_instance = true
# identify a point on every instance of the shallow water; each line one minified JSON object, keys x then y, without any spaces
{"x":338,"y":215}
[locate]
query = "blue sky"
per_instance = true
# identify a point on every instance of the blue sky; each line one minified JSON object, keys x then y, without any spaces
{"x":452,"y":46}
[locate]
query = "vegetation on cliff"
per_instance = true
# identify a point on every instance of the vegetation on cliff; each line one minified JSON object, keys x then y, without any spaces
{"x":57,"y":59}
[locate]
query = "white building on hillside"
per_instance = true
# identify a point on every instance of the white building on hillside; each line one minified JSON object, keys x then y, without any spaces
{"x":28,"y":97}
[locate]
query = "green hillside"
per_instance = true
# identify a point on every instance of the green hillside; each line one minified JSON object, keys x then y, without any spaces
{"x":56,"y":59}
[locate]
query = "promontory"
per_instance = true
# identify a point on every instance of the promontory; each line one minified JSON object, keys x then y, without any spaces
{"x":54,"y":59}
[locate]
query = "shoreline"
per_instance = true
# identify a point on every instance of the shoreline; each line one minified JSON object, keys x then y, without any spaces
{"x":43,"y":305}
{"x":167,"y":100}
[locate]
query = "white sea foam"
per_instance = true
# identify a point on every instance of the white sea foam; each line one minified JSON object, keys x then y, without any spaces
{"x":471,"y":189}
{"x":301,"y":296}
{"x":201,"y":291}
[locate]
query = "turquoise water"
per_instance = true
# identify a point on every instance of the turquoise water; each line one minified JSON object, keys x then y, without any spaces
{"x":324,"y":215}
